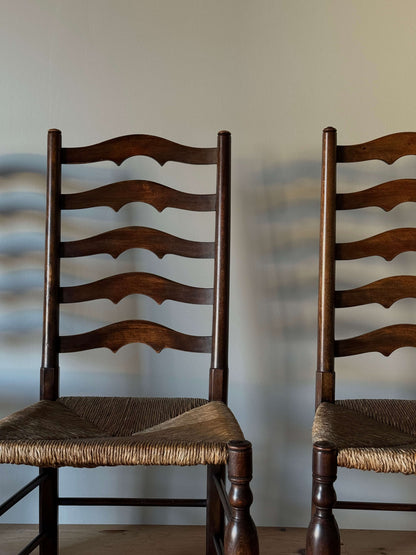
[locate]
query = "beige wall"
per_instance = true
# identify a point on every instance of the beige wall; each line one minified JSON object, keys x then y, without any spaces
{"x":274,"y":72}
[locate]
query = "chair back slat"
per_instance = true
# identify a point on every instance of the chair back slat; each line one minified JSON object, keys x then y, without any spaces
{"x":384,"y":291}
{"x":116,"y":195}
{"x":116,"y":288}
{"x":384,"y":340}
{"x":119,"y":240}
{"x":387,"y":149}
{"x":121,"y":148}
{"x":386,"y":195}
{"x":114,"y":336}
{"x":388,"y":245}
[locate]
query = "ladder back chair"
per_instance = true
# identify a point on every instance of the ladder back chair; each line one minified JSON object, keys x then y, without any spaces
{"x":107,"y":431}
{"x":364,"y":434}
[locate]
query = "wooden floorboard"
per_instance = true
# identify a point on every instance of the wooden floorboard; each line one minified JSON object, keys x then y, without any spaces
{"x":189,"y":540}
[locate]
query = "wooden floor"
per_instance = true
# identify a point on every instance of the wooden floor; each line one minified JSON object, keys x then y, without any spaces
{"x":189,"y":540}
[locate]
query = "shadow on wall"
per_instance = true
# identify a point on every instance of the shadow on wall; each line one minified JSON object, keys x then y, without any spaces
{"x":281,"y":229}
{"x":22,"y":222}
{"x":22,"y":208}
{"x":281,"y":210}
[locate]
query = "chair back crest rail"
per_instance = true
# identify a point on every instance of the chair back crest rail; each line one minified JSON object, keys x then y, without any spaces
{"x":388,"y":245}
{"x":116,"y":287}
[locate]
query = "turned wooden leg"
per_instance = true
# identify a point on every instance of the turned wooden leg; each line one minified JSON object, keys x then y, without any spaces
{"x":323,"y":534}
{"x":240,"y":533}
{"x":48,"y":512}
{"x":215,"y":510}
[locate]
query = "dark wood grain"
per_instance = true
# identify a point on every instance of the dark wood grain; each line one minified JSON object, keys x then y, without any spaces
{"x":386,"y":195}
{"x":325,"y":383}
{"x":388,"y":245}
{"x":384,"y":291}
{"x":240,"y":533}
{"x":384,"y":340}
{"x":116,"y":195}
{"x":323,"y":537}
{"x":114,"y":336}
{"x":117,"y":241}
{"x":120,"y":286}
{"x":218,"y":387}
{"x":121,"y":148}
{"x":388,"y":149}
{"x":49,"y":374}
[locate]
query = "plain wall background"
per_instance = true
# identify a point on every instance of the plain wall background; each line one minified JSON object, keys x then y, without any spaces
{"x":273,"y":72}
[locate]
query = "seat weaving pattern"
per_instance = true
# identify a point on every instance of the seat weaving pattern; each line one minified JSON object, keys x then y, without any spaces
{"x":370,"y":434}
{"x":109,"y":431}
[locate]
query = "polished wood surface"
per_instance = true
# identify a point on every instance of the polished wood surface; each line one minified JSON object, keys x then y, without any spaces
{"x":119,"y":240}
{"x":189,"y":540}
{"x":388,"y":149}
{"x":388,"y":245}
{"x":325,"y":379}
{"x":384,"y":340}
{"x":114,"y":336}
{"x":384,"y":291}
{"x":241,"y":534}
{"x":323,"y":534}
{"x":49,"y":377}
{"x":118,"y":287}
{"x":119,"y":149}
{"x":386,"y":195}
{"x":116,"y":195}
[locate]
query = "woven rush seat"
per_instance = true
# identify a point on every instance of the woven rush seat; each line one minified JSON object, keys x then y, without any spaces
{"x":95,"y":431}
{"x":370,"y":434}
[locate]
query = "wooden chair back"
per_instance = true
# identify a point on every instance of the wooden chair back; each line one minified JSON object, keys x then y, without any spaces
{"x":387,"y":245}
{"x":114,"y":242}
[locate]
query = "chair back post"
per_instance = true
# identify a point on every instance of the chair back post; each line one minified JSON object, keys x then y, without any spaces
{"x":325,"y":375}
{"x":49,"y":382}
{"x":218,"y":386}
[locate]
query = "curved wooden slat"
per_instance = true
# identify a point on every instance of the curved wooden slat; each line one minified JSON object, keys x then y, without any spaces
{"x":119,"y":286}
{"x":386,"y":195}
{"x":388,"y":149}
{"x":383,"y":291}
{"x":116,"y":195}
{"x":384,"y":341}
{"x":119,"y":149}
{"x":115,"y":336}
{"x":119,"y":240}
{"x":387,"y":245}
